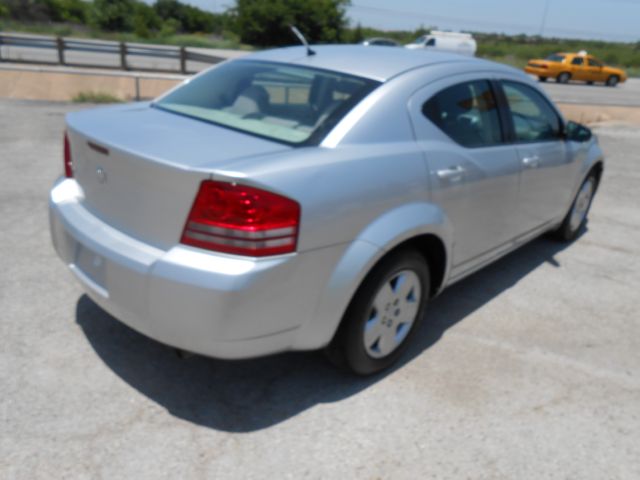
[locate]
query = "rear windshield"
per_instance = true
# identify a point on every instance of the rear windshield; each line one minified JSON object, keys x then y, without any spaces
{"x":555,"y":58}
{"x":290,"y":104}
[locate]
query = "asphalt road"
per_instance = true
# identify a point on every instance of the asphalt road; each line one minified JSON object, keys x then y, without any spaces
{"x":624,"y":95}
{"x":530,"y":369}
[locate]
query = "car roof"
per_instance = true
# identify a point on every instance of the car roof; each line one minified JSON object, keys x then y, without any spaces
{"x":375,"y":62}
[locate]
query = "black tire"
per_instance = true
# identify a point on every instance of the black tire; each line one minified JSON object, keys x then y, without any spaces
{"x":590,"y":82}
{"x":564,"y":77}
{"x":569,"y":230}
{"x":542,"y":79}
{"x":348,"y":348}
{"x":612,"y":81}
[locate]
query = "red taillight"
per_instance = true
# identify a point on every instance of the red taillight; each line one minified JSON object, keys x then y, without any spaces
{"x":68,"y":165}
{"x":233,"y":218}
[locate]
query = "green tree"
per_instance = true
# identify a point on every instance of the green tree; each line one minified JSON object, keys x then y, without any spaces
{"x":113,"y":15}
{"x":267,"y":22}
{"x":189,"y":18}
{"x":27,"y":10}
{"x":146,"y":21}
{"x":74,"y":11}
{"x":357,"y":35}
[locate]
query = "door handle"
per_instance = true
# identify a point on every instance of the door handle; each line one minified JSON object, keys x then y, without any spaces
{"x":531,"y":162}
{"x":452,"y":174}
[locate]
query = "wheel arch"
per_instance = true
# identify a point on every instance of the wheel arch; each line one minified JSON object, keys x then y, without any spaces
{"x":433,"y":249}
{"x":421,"y":226}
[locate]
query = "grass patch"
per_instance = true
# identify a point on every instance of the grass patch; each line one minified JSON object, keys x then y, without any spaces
{"x":96,"y":97}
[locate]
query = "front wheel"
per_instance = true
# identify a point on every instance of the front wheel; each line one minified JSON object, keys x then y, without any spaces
{"x":612,"y":81}
{"x":384,"y":313}
{"x":577,"y":215}
{"x":564,"y":77}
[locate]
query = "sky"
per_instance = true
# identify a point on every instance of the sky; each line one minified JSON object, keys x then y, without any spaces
{"x":598,"y":19}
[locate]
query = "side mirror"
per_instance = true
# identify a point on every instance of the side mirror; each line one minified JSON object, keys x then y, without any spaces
{"x":576,"y":132}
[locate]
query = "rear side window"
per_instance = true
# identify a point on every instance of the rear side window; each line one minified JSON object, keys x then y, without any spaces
{"x":286,"y":103}
{"x":467,"y":113}
{"x":577,"y":61}
{"x":556,"y":58}
{"x":534,"y":120}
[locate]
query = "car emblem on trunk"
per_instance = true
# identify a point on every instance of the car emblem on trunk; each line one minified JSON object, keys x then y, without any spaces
{"x":101,"y":174}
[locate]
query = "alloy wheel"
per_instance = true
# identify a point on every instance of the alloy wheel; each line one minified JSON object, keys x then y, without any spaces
{"x":392,"y":314}
{"x":581,"y":205}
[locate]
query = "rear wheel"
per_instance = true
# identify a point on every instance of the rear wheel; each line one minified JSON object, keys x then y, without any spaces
{"x":564,"y":77}
{"x":577,"y":215}
{"x":384,"y":314}
{"x":542,"y":79}
{"x":612,"y":81}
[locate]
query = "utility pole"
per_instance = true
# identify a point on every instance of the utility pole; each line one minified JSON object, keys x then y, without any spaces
{"x":544,"y":17}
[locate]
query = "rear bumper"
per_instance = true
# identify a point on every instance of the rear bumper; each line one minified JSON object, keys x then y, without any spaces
{"x":539,"y":72}
{"x":214,"y":304}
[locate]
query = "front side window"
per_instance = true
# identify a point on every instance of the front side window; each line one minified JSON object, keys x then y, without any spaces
{"x":534,"y":120}
{"x":467,"y":113}
{"x":290,"y":104}
{"x":594,"y":63}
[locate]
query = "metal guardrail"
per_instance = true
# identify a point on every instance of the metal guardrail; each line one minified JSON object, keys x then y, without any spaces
{"x":122,"y":50}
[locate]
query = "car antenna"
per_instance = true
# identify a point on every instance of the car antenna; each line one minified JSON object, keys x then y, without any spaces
{"x":298,"y":34}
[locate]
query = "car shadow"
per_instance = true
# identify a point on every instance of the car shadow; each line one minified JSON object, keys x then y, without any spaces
{"x":249,"y":395}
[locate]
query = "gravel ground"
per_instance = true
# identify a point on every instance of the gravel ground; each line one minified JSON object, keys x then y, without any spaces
{"x":529,"y":369}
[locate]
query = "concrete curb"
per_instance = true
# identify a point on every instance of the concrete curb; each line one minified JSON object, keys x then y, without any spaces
{"x":64,"y":83}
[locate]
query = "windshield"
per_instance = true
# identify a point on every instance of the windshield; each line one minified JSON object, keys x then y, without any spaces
{"x":421,"y":39}
{"x":555,"y":58}
{"x":286,"y":103}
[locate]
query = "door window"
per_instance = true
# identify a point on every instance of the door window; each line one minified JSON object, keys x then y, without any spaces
{"x":534,"y":120}
{"x":467,"y":113}
{"x":577,"y":61}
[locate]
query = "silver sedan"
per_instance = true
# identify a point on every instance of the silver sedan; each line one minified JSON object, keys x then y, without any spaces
{"x":297,"y":201}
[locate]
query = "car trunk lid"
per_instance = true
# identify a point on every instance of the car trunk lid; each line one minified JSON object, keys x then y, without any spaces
{"x":140,"y":168}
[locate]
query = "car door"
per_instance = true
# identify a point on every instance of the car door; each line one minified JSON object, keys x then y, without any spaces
{"x":473,"y":173}
{"x":595,"y":70}
{"x":578,"y":72}
{"x":547,"y":168}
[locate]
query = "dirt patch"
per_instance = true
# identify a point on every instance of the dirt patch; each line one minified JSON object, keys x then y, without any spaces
{"x":590,"y":114}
